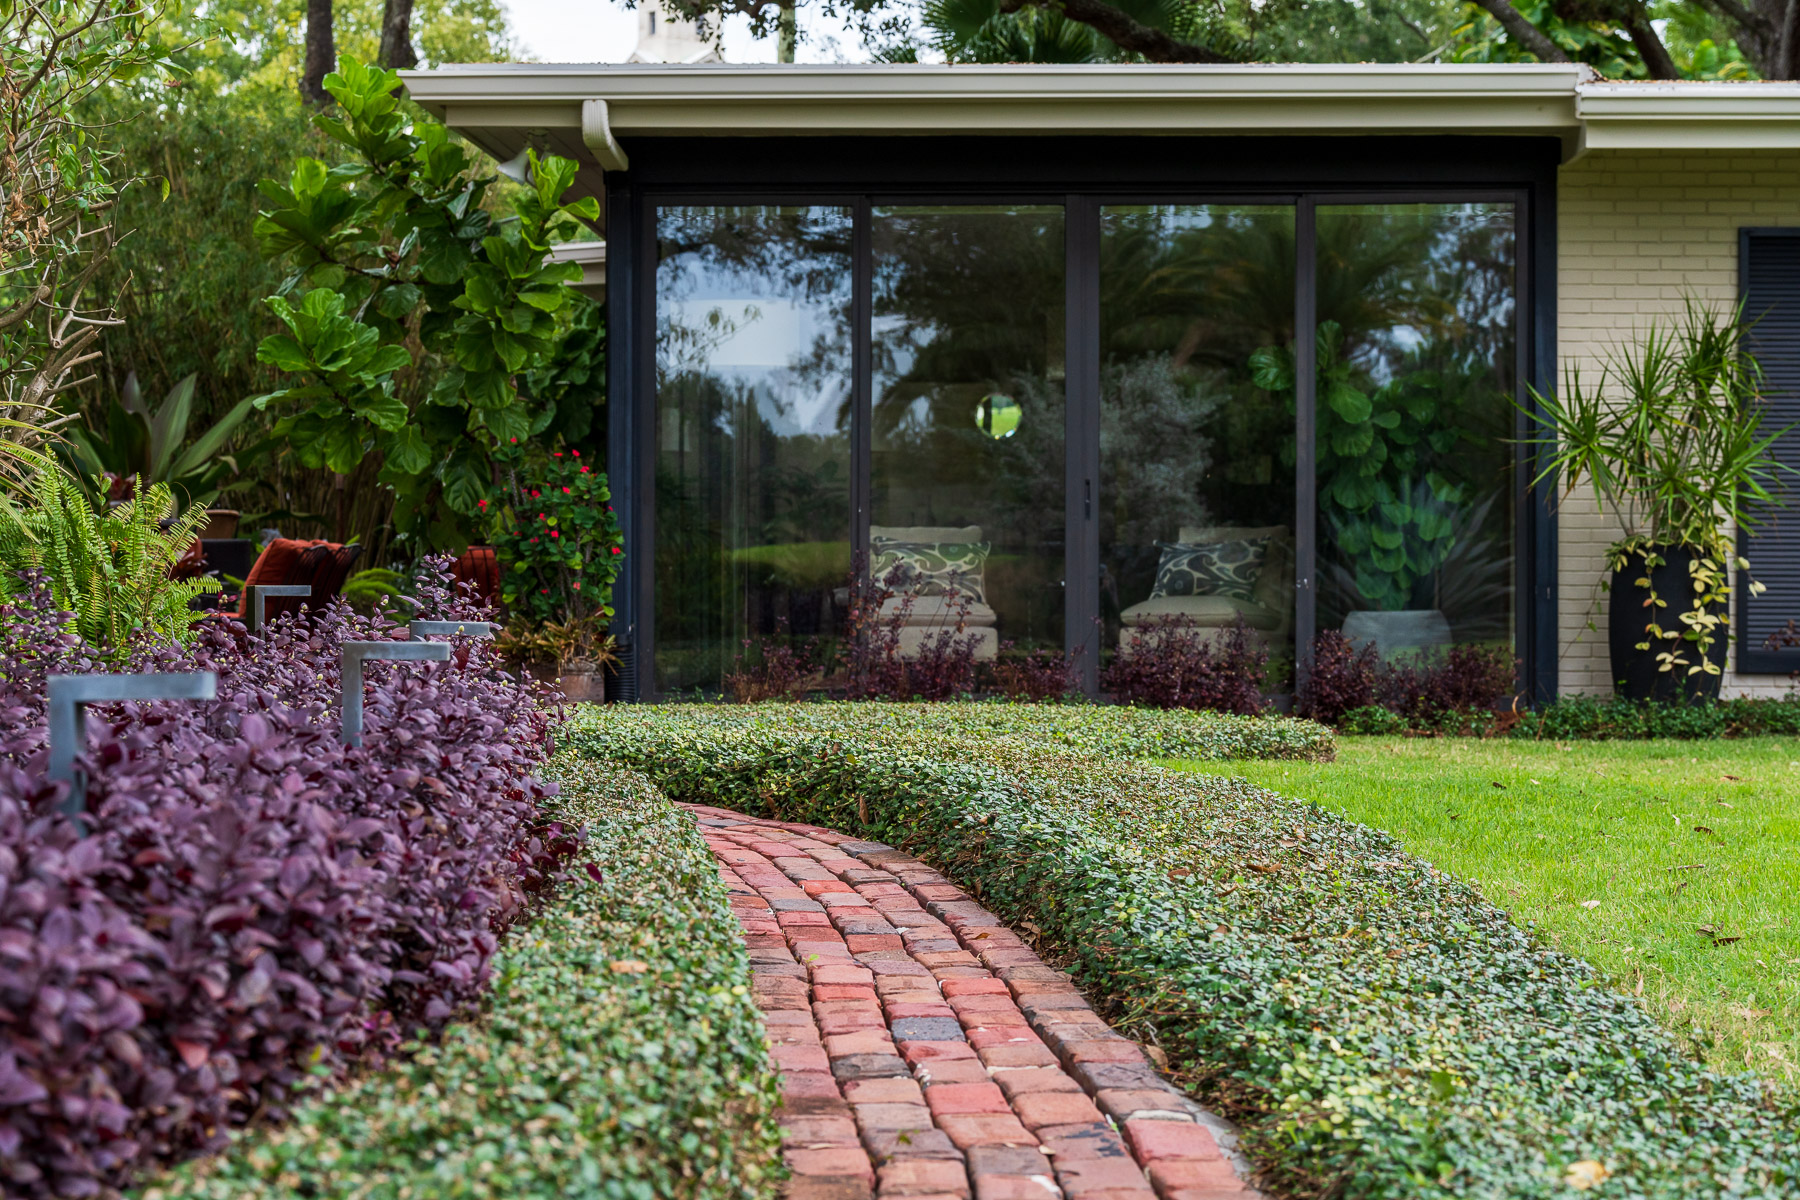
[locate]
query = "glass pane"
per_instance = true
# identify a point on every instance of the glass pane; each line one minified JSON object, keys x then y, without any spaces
{"x":968,"y":421}
{"x":753,"y":395}
{"x":1417,"y":312}
{"x":1196,"y":504}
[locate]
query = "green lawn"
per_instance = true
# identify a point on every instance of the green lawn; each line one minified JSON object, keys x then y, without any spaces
{"x":1646,"y":858}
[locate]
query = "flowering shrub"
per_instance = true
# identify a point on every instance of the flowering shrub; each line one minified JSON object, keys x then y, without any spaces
{"x":254,"y":903}
{"x":1170,"y":664}
{"x":558,"y":540}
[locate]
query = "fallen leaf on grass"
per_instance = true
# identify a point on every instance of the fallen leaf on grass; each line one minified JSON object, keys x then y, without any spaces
{"x":1262,"y":868}
{"x":1733,"y":778}
{"x":1590,"y":904}
{"x":1728,"y":939}
{"x":1499,"y":785}
{"x":1702,"y":829}
{"x":1586,"y":1174}
{"x":629,"y":966}
{"x":1158,"y":1056}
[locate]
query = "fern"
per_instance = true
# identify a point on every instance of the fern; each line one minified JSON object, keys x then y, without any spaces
{"x":111,"y":569}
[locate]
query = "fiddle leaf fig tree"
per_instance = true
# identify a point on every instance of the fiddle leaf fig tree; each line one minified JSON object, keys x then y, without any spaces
{"x":414,"y":309}
{"x":1671,"y":440}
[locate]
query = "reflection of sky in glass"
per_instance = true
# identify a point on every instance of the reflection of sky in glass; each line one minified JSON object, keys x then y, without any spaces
{"x":758,"y":329}
{"x":1445,"y":274}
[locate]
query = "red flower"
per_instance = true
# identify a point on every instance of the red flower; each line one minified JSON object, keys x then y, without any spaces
{"x":534,"y":494}
{"x":584,"y":470}
{"x":534,"y":540}
{"x":542,"y":517}
{"x":481,"y":503}
{"x":576,"y":453}
{"x":514,"y":441}
{"x":543,"y":591}
{"x":565,"y":491}
{"x":553,"y":533}
{"x":576,"y":585}
{"x":616,"y":550}
{"x":558,"y":454}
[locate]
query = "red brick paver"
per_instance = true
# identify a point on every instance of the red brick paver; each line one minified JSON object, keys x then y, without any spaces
{"x":926,"y":1052}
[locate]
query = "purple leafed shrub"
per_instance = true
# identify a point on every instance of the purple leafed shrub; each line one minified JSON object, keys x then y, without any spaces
{"x":1463,"y":679}
{"x":1172,"y":664}
{"x":254,"y":901}
{"x":1037,"y":675}
{"x":773,"y":669}
{"x":1342,"y":678}
{"x":941,"y":667}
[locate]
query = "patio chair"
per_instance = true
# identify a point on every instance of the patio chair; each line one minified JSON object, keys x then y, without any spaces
{"x":321,"y":565}
{"x":922,"y":565}
{"x":1266,"y":604}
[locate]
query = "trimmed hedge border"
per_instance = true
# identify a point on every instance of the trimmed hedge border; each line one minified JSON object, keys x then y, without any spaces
{"x":619,"y":1053}
{"x":1380,"y":1029}
{"x":1588,"y":718}
{"x":1110,"y":730}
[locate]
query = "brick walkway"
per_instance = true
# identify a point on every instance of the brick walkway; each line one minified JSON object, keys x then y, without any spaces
{"x":925,"y":1051}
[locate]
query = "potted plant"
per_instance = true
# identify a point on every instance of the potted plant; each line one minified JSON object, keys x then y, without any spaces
{"x":1671,"y":440}
{"x":557,"y":542}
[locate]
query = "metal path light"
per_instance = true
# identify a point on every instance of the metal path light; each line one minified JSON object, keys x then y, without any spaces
{"x":352,"y":669}
{"x":68,"y":732}
{"x":260,"y":590}
{"x":419,"y":630}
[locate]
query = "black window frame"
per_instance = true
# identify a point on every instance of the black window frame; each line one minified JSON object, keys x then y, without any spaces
{"x":1081,"y":174}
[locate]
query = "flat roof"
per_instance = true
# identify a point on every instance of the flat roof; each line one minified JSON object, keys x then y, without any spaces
{"x":501,"y":106}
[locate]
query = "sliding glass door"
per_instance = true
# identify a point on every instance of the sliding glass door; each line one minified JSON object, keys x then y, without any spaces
{"x":1196,"y":497}
{"x":753,"y":387}
{"x":1284,"y":416}
{"x":1417,"y":375}
{"x":966,"y":474}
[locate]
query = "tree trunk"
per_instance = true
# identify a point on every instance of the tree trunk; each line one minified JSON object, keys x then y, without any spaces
{"x":396,"y":35}
{"x":321,"y":52}
{"x":787,"y":32}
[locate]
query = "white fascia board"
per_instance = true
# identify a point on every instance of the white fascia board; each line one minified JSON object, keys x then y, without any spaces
{"x":1689,"y":116}
{"x":921,"y":99}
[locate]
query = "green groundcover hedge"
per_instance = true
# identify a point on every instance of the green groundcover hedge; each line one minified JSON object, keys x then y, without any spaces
{"x":1585,"y":717}
{"x":619,"y":1054}
{"x":1380,"y":1028}
{"x":1099,"y":729}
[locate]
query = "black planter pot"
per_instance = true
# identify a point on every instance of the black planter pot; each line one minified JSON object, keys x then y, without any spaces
{"x":1635,"y":672}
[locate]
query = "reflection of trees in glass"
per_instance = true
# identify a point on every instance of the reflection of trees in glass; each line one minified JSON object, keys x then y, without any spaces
{"x":1415,"y":382}
{"x":753,"y":387}
{"x":1203,"y":287}
{"x":968,"y":302}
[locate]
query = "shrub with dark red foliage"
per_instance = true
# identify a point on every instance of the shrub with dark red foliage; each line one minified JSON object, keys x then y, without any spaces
{"x":940,"y":667}
{"x":1342,"y":678}
{"x":1464,"y":679}
{"x":1172,"y":664}
{"x":1036,"y":675}
{"x":255,"y":902}
{"x":1421,"y":690}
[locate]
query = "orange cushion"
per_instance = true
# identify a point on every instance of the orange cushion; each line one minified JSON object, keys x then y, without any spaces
{"x":272,"y":566}
{"x":480,"y":567}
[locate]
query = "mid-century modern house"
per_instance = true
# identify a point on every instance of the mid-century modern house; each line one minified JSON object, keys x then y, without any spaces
{"x":1106,"y":344}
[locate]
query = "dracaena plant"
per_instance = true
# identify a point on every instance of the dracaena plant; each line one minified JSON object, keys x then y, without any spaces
{"x":1672,"y":440}
{"x":414,"y":308}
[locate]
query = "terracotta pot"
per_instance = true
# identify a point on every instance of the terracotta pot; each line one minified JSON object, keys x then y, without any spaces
{"x":221,"y":523}
{"x":584,"y":687}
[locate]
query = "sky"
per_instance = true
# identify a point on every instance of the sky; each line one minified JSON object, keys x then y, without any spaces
{"x":606,"y":31}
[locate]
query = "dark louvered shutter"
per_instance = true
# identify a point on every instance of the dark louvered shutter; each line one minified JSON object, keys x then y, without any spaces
{"x":1769,"y":274}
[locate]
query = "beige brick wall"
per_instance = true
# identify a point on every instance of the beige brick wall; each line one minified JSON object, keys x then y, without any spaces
{"x":1634,"y":230}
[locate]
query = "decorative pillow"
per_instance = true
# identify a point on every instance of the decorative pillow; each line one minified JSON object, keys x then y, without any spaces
{"x":930,"y":568}
{"x":1228,"y":569}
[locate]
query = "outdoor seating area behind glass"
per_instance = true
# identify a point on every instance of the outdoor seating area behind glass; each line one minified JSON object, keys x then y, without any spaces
{"x":956,"y":477}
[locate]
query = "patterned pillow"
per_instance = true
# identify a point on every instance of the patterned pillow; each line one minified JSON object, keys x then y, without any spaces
{"x":1228,"y":569}
{"x":930,"y":568}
